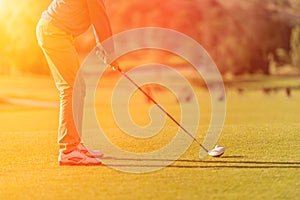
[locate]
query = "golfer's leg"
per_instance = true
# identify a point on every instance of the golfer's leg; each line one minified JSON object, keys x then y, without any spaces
{"x":64,"y":64}
{"x":78,"y":102}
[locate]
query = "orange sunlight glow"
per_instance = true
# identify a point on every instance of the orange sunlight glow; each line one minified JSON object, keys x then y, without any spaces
{"x":3,"y":8}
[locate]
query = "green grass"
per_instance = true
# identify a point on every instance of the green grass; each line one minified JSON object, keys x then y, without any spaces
{"x":262,"y":160}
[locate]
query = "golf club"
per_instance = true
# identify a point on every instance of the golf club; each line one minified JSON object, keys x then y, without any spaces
{"x":216,"y":152}
{"x":160,"y":107}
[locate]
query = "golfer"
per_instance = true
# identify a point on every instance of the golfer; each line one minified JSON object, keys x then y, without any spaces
{"x":59,"y":25}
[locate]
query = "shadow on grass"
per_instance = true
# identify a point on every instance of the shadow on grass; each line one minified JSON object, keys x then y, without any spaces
{"x":190,"y":164}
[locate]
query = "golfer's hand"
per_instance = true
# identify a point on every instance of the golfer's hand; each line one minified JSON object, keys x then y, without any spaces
{"x":101,"y":53}
{"x":115,"y":66}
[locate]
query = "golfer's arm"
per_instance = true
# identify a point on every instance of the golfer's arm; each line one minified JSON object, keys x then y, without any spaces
{"x":100,"y":21}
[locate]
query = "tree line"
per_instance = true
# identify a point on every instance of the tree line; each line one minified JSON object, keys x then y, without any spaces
{"x":241,"y":36}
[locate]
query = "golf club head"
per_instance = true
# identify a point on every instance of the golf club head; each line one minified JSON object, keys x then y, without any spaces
{"x":218,"y":151}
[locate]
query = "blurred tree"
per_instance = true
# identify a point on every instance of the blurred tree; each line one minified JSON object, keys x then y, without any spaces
{"x":289,"y":12}
{"x":262,"y":34}
{"x":295,"y":46}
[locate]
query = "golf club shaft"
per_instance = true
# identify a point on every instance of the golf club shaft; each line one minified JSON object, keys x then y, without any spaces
{"x":160,"y":107}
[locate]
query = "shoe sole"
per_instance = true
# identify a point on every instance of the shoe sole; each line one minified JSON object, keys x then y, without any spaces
{"x":79,"y":164}
{"x":94,"y":156}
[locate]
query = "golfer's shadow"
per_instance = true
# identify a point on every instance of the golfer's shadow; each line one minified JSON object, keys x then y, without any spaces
{"x":197,"y":164}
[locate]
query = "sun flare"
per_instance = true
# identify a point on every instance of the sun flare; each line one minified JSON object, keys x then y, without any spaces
{"x":1,"y":5}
